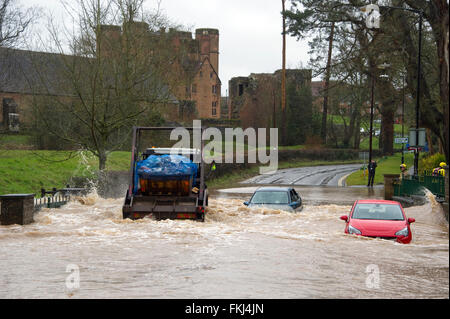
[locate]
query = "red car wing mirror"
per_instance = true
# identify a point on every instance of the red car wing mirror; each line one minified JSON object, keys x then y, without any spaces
{"x":344,"y":217}
{"x":411,"y":220}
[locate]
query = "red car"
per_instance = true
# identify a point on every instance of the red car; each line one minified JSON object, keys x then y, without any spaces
{"x":379,"y":218}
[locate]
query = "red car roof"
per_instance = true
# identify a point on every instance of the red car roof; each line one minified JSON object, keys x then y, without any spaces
{"x":377,"y":201}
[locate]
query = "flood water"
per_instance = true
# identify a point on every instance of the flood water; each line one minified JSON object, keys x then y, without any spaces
{"x":237,"y":252}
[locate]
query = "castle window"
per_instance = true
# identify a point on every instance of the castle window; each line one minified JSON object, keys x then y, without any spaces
{"x":214,"y":112}
{"x":241,"y":89}
{"x":211,"y":75}
{"x":214,"y":89}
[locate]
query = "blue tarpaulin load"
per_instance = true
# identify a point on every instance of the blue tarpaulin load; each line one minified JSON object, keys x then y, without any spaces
{"x":165,"y":167}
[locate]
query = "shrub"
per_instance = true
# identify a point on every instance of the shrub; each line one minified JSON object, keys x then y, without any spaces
{"x":426,"y":164}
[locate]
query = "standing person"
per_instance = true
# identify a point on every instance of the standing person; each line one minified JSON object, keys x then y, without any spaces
{"x":403,"y":171}
{"x":372,"y":166}
{"x":442,"y":168}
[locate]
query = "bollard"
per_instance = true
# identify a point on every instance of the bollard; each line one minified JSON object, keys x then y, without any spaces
{"x":389,"y":185}
{"x":16,"y":209}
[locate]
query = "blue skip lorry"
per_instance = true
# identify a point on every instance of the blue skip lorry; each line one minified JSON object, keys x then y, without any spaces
{"x":165,"y":183}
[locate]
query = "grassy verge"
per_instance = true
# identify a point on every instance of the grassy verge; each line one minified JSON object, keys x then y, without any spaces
{"x":386,"y":165}
{"x":23,"y":171}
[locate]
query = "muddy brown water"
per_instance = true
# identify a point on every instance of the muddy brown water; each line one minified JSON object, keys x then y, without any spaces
{"x":237,"y":253}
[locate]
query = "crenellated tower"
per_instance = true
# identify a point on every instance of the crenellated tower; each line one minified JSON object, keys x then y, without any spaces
{"x":208,"y":40}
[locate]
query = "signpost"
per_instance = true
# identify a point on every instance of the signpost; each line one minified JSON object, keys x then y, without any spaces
{"x":412,"y":138}
{"x":363,"y":156}
{"x":401,"y":140}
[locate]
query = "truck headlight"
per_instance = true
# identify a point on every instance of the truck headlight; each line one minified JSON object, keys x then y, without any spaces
{"x":353,"y":230}
{"x":403,"y":232}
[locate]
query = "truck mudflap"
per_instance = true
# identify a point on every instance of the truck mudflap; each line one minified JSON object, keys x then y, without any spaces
{"x":200,"y":215}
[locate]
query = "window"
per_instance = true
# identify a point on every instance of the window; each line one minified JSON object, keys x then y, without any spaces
{"x":214,"y":89}
{"x":214,"y":110}
{"x":268,"y":197}
{"x":378,"y":211}
{"x":241,"y":89}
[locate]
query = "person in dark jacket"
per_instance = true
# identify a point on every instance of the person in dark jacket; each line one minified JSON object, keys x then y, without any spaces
{"x":372,"y":166}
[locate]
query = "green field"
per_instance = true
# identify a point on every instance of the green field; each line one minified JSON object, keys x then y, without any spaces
{"x":24,"y":171}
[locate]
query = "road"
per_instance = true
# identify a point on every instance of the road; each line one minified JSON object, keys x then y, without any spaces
{"x":327,"y":175}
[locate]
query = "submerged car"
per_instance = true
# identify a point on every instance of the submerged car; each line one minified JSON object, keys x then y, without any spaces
{"x":379,"y":218}
{"x":283,"y":198}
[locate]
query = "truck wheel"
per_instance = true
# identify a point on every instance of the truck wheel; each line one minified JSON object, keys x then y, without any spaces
{"x":201,"y":217}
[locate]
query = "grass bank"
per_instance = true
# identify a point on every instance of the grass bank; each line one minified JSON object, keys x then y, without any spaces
{"x":27,"y":171}
{"x":385,"y":165}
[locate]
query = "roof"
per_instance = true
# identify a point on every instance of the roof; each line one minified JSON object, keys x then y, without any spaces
{"x":44,"y":73}
{"x":32,"y":72}
{"x":377,"y":201}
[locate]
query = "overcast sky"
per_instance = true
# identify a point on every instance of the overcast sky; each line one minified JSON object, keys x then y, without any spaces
{"x":250,"y":32}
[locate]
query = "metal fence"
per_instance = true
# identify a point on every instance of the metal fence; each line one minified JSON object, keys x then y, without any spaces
{"x":56,"y":198}
{"x":414,"y":185}
{"x":54,"y":201}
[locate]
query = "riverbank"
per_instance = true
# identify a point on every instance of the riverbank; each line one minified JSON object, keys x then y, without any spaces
{"x":27,"y":171}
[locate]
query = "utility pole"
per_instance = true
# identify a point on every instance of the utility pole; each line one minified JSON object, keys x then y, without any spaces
{"x":416,"y":154}
{"x":403,"y":120}
{"x":327,"y":86}
{"x":283,"y":78}
{"x":371,"y":113}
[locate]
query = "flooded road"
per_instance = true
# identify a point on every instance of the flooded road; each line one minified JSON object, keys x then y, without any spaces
{"x":330,"y":175}
{"x":237,"y":253}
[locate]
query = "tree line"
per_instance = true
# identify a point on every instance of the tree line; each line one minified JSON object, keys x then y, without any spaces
{"x":348,"y":55}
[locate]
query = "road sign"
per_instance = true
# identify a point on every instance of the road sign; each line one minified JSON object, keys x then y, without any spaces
{"x":363,"y":155}
{"x":412,"y":138}
{"x":401,"y":140}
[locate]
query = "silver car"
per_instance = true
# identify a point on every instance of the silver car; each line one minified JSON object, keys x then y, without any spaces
{"x":284,"y":198}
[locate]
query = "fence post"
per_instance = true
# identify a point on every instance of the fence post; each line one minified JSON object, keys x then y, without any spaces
{"x":445,"y":204}
{"x":17,"y":209}
{"x":389,"y":185}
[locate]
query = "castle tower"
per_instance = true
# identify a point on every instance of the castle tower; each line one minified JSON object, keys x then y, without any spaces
{"x":109,"y":37}
{"x":208,"y":40}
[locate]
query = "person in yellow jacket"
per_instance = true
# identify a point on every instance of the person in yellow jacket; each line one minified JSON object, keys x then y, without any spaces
{"x":442,"y":168}
{"x":403,"y":171}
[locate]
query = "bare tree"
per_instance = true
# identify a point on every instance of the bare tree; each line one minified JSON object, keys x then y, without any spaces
{"x":115,"y":76}
{"x":14,"y":21}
